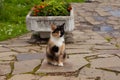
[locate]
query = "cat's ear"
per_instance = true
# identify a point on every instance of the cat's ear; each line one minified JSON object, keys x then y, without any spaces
{"x":53,"y":26}
{"x":62,"y":26}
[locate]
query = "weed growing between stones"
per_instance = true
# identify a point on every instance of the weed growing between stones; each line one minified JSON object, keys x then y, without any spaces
{"x":108,"y":39}
{"x":9,"y":75}
{"x":116,"y":72}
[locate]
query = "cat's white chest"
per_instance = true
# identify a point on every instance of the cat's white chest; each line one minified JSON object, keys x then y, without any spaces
{"x":57,"y":41}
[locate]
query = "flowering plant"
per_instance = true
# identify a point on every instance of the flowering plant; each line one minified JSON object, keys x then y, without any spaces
{"x":51,"y":8}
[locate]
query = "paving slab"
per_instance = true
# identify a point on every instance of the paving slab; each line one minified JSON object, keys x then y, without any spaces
{"x":102,"y":13}
{"x":3,"y":54}
{"x":18,"y":42}
{"x":110,"y":75}
{"x":4,"y":62}
{"x":61,"y":78}
{"x":25,"y":66}
{"x":29,"y":49}
{"x":5,"y":69}
{"x":96,"y":41}
{"x":105,"y":55}
{"x":85,"y":77}
{"x":92,"y":21}
{"x":24,"y":77}
{"x":2,"y":78}
{"x":112,"y":22}
{"x":3,"y":49}
{"x":7,"y":58}
{"x":30,"y":56}
{"x":74,"y":63}
{"x":78,"y":51}
{"x":91,"y":72}
{"x":53,"y":78}
{"x":105,"y":47}
{"x":98,"y":74}
{"x":77,"y":46}
{"x":108,"y":51}
{"x":105,"y":62}
{"x":114,"y":69}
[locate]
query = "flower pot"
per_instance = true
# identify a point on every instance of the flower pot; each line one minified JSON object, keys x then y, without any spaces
{"x":42,"y":23}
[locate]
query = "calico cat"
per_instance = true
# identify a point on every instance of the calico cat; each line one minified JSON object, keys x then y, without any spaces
{"x":55,"y":51}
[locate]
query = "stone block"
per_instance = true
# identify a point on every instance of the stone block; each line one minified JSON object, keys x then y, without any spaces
{"x":17,"y":43}
{"x":105,"y":62}
{"x":102,"y":13}
{"x":91,"y":72}
{"x":29,"y":49}
{"x":74,"y":63}
{"x":2,"y":78}
{"x":77,"y":46}
{"x":4,"y":54}
{"x":5,"y":69}
{"x":105,"y":47}
{"x":92,"y":21}
{"x":2,"y":49}
{"x":24,"y":77}
{"x":78,"y":51}
{"x":25,"y":66}
{"x":62,"y":78}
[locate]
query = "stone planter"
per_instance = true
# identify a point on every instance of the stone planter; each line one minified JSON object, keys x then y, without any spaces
{"x":42,"y":23}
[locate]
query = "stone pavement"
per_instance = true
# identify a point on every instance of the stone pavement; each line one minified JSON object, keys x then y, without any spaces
{"x":95,"y":54}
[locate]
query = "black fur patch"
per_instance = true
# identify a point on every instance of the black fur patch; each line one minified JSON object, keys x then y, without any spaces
{"x":52,"y":57}
{"x":55,"y":49}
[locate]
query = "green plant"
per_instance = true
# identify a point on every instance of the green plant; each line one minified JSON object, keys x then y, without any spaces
{"x":108,"y":39}
{"x":12,"y":17}
{"x":51,"y":8}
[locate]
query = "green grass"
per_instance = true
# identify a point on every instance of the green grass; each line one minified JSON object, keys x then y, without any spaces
{"x":74,"y":0}
{"x":12,"y":16}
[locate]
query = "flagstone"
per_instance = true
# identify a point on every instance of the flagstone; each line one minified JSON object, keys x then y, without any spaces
{"x":108,"y":51}
{"x":24,"y":77}
{"x":96,"y":41}
{"x":91,"y":72}
{"x":4,"y":54}
{"x":3,"y":49}
{"x":5,"y":69}
{"x":114,"y":69}
{"x":105,"y":47}
{"x":7,"y":58}
{"x":73,"y":46}
{"x":25,"y":66}
{"x":92,"y":21}
{"x":98,"y":74}
{"x":105,"y":62}
{"x":78,"y":51}
{"x":2,"y":78}
{"x":102,"y":13}
{"x":16,"y":43}
{"x":30,"y":49}
{"x":82,"y":77}
{"x":74,"y":63}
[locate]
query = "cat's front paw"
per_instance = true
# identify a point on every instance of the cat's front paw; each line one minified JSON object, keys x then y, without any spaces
{"x":60,"y":64}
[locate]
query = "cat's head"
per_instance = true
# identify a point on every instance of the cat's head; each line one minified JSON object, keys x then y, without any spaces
{"x":57,"y":31}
